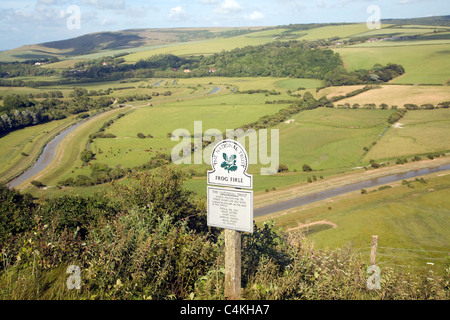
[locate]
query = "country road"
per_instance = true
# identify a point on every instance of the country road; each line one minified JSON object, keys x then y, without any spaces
{"x":297,"y":201}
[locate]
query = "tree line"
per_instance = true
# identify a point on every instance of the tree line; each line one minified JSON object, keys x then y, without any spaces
{"x":19,"y":112}
{"x":378,"y":74}
{"x":297,"y":59}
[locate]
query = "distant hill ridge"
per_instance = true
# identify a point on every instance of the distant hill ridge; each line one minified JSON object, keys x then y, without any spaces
{"x":426,"y":21}
{"x":135,"y":38}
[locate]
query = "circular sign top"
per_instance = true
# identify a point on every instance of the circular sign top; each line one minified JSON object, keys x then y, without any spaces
{"x":229,"y":161}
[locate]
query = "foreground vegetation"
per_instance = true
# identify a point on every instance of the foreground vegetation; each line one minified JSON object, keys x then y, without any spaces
{"x":409,"y":217}
{"x":111,"y":205}
{"x":149,"y":240}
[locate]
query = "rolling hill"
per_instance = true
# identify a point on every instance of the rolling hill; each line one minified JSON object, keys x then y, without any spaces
{"x":129,"y":40}
{"x":136,"y":40}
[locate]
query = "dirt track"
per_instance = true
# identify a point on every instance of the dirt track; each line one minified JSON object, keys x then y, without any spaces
{"x":306,"y":225}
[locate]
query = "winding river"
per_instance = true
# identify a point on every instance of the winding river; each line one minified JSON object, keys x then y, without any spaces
{"x":46,"y":157}
{"x":49,"y":153}
{"x":293,"y":203}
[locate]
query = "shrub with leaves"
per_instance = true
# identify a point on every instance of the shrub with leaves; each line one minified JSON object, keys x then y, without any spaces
{"x":15,"y":213}
{"x":148,"y":255}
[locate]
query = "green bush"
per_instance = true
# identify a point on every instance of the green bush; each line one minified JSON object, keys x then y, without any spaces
{"x":16,"y":212}
{"x":87,"y":156}
{"x":148,"y":239}
{"x":37,"y":184}
{"x":143,"y":254}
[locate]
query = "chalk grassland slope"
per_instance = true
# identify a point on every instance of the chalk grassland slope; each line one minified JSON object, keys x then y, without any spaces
{"x":411,"y":221}
{"x":424,"y":64}
{"x":142,"y":43}
{"x":329,"y":138}
{"x":419,"y":131}
{"x":117,"y":42}
{"x":200,"y":47}
{"x":210,"y":46}
{"x":254,"y":38}
{"x":328,"y":32}
{"x":393,"y":95}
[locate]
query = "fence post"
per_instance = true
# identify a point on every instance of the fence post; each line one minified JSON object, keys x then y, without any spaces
{"x":373,"y":251}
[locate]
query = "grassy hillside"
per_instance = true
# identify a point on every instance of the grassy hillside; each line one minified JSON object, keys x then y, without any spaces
{"x":211,"y":40}
{"x":420,"y":130}
{"x":393,"y":95}
{"x":118,"y":42}
{"x":411,"y":221}
{"x":432,"y":68}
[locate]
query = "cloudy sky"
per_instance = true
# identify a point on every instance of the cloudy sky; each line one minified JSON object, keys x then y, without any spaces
{"x":36,"y":21}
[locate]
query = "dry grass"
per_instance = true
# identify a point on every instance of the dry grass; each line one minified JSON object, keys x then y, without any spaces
{"x":395,"y":95}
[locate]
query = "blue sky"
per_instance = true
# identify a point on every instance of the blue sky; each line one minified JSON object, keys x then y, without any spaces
{"x":36,"y":21}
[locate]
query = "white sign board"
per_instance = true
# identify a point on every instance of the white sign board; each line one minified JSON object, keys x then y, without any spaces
{"x":229,"y":161}
{"x":230,"y":209}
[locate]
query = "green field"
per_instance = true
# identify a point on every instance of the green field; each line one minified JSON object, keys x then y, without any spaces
{"x":330,"y":140}
{"x":204,"y":47}
{"x":424,"y":64}
{"x":324,"y":138}
{"x":343,"y":31}
{"x":20,"y":148}
{"x":420,"y":131}
{"x":411,"y":222}
{"x":67,"y":157}
{"x":393,"y":95}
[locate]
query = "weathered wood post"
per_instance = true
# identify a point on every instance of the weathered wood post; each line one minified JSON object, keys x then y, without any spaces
{"x":232,"y":264}
{"x":374,"y":280}
{"x":373,"y":251}
{"x":230,"y":206}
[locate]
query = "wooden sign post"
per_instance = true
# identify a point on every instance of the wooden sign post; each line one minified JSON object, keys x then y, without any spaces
{"x":232,"y":264}
{"x":230,"y":207}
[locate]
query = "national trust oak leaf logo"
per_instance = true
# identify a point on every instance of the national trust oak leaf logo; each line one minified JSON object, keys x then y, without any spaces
{"x":230,"y":162}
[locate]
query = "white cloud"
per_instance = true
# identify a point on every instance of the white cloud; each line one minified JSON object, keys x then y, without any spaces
{"x":177,"y":14}
{"x":228,"y":7}
{"x":47,"y":2}
{"x":105,"y":4}
{"x":256,"y":15}
{"x":295,"y":5}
